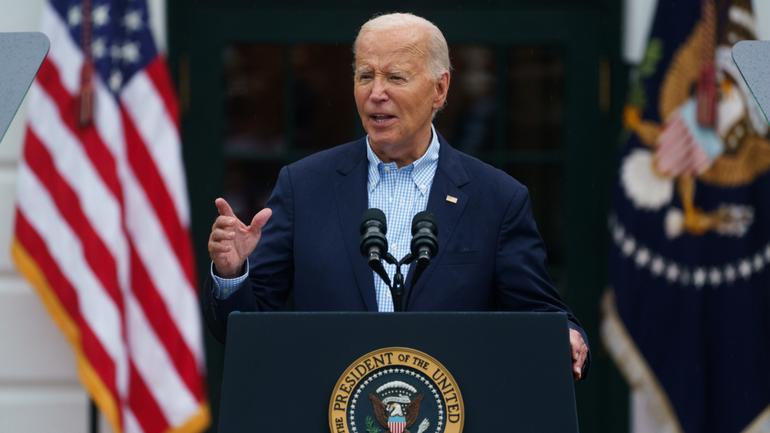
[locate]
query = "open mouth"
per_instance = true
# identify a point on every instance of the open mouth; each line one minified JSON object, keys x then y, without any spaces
{"x":381,"y":119}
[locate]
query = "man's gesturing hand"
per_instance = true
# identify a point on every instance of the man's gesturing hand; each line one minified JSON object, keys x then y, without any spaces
{"x":579,"y":353}
{"x":231,"y":241}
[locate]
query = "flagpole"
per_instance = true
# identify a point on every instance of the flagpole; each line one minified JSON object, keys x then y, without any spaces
{"x":93,"y":417}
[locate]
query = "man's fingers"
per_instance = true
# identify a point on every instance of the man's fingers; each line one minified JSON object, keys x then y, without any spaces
{"x":224,"y":222}
{"x":218,"y":247}
{"x":218,"y":235}
{"x":579,"y":352}
{"x":578,"y":358}
{"x":223,"y":207}
{"x":260,"y":219}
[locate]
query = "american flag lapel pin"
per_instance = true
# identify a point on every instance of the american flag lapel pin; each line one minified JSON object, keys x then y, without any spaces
{"x":451,"y":199}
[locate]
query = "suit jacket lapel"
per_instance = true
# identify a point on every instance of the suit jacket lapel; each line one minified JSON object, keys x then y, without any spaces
{"x":352,"y":200}
{"x":450,"y":177}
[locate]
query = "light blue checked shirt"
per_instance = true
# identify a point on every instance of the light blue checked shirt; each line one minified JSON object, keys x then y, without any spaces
{"x":400,"y":193}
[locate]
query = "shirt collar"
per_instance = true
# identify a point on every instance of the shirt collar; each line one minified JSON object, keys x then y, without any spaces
{"x":422,"y":169}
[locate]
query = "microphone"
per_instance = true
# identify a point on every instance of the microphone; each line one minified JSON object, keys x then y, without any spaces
{"x":374,"y":244}
{"x":424,"y":238}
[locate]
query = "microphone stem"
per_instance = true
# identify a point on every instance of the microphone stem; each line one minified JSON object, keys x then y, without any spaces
{"x":397,"y":291}
{"x":397,"y":288}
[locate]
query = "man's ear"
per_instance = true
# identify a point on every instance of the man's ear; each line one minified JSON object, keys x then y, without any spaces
{"x":442,"y":90}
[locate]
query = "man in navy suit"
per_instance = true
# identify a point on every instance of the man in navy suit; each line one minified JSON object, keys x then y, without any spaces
{"x":306,"y":241}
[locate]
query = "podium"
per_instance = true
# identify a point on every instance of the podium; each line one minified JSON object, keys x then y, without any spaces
{"x":397,"y":372}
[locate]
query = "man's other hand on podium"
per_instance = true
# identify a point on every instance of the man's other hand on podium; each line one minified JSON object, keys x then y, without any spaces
{"x":579,"y":351}
{"x":231,"y":241}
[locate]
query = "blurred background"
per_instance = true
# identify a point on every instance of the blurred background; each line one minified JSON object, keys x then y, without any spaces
{"x":538,"y":90}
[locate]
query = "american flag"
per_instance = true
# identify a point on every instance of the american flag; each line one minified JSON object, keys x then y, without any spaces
{"x":102,"y":216}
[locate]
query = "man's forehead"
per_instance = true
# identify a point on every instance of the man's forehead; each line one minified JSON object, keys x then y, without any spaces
{"x":395,"y":39}
{"x":406,"y":48}
{"x":401,"y":57}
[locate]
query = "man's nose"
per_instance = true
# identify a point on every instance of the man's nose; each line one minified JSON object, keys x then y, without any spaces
{"x":379,"y":89}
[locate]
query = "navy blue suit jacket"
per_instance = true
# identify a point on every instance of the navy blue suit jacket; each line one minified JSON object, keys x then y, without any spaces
{"x":490,"y":257}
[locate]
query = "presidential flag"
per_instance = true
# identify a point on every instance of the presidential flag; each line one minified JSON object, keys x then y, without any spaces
{"x":688,"y":316}
{"x":102,"y":216}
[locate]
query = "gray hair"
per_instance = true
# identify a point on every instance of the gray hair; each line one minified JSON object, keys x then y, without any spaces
{"x":438,"y":51}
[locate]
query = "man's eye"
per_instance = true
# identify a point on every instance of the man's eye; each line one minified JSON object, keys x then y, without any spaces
{"x":364,"y":77}
{"x":397,"y":78}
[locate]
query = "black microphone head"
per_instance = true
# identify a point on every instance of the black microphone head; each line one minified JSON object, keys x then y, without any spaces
{"x":374,"y":243}
{"x":424,"y":243}
{"x":373,"y":216}
{"x":424,"y":219}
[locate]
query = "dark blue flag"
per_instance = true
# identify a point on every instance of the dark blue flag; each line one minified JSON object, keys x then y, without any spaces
{"x":688,"y":320}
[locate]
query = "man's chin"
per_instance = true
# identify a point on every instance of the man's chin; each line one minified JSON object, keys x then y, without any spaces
{"x":382,"y":141}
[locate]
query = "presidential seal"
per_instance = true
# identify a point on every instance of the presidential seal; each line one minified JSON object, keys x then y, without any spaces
{"x":396,"y":390}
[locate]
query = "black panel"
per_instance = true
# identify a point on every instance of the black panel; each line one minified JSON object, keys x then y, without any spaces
{"x":513,"y":369}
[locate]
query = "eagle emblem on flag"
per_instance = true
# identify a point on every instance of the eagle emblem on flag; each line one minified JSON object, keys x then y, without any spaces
{"x":689,"y":263}
{"x":711,"y":131}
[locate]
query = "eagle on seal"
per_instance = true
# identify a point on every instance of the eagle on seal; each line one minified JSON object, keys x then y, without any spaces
{"x":384,"y":412}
